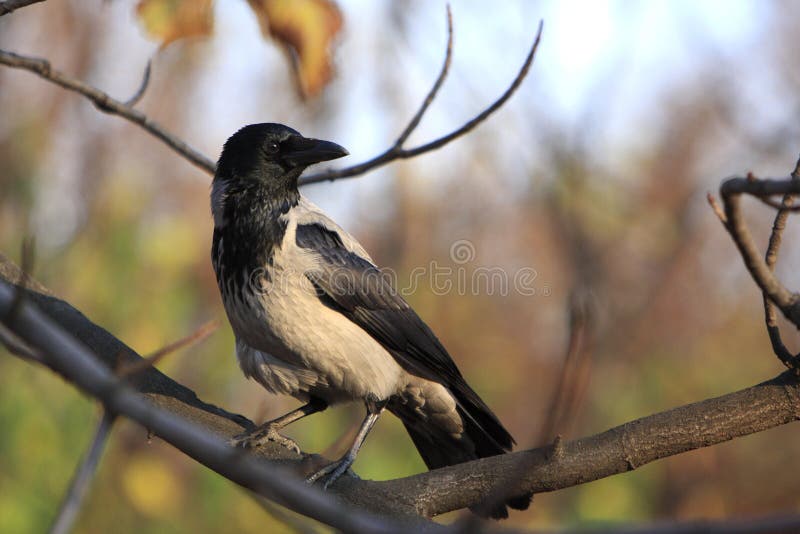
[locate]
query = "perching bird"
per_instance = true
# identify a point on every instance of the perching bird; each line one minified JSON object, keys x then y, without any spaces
{"x":315,"y":319}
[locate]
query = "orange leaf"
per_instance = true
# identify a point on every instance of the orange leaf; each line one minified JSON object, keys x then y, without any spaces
{"x":169,"y":20}
{"x":306,"y":28}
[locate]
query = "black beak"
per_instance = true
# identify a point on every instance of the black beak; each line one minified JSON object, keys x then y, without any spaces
{"x":304,"y":151}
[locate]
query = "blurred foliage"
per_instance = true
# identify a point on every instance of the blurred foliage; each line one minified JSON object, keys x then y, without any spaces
{"x":306,"y":28}
{"x":124,"y":230}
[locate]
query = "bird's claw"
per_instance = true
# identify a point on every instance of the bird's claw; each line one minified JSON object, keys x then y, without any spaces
{"x":261,"y":436}
{"x":332,"y":472}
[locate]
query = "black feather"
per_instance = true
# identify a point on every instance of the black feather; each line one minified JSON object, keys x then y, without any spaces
{"x":356,"y":288}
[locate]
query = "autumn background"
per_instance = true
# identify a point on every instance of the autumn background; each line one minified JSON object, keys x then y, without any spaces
{"x":594,"y":175}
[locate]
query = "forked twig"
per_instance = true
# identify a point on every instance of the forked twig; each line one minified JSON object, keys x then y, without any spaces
{"x":730,"y":192}
{"x":397,"y":151}
{"x":107,"y":104}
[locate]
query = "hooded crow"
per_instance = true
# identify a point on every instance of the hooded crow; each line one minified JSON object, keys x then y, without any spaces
{"x":316,"y":319}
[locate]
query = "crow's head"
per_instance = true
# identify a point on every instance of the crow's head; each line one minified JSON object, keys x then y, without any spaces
{"x":269,"y":157}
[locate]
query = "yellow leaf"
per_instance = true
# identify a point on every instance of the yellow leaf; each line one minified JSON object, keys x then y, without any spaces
{"x":306,"y":28}
{"x":169,"y":20}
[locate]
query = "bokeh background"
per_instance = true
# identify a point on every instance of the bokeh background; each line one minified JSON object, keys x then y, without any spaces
{"x":594,"y":175}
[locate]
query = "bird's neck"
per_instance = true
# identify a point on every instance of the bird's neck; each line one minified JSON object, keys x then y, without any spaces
{"x":249,"y":227}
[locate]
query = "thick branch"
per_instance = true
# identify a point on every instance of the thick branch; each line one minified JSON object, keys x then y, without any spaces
{"x":107,"y":104}
{"x":620,"y":449}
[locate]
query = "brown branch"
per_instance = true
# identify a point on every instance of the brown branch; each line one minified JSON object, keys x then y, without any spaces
{"x":731,"y":191}
{"x":85,"y":355}
{"x":397,"y":151}
{"x":174,"y":412}
{"x":107,"y":104}
{"x":618,"y":450}
{"x":143,"y":85}
{"x":771,"y":258}
{"x":12,"y":5}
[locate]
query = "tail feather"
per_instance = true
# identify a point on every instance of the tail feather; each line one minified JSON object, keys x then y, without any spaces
{"x":483,"y":436}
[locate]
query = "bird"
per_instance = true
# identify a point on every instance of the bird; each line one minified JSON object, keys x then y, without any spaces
{"x":316,"y":319}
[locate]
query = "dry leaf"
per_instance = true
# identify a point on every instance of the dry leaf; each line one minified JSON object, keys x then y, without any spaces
{"x":307,"y":28}
{"x":169,"y":20}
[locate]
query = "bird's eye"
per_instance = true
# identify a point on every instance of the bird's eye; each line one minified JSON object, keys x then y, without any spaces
{"x":273,"y":147}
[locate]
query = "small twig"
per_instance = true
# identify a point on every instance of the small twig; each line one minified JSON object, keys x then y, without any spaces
{"x":129,"y":369}
{"x":398,"y":152}
{"x":770,"y":258}
{"x":79,"y":486}
{"x":12,"y":5}
{"x":137,"y":96}
{"x":448,"y":57}
{"x":107,"y":104}
{"x":731,"y":191}
{"x":712,"y":201}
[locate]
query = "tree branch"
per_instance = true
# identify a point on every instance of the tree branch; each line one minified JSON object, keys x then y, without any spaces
{"x":731,"y":191}
{"x":107,"y":104}
{"x":618,"y":450}
{"x":200,"y":434}
{"x":178,"y":416}
{"x":397,"y":151}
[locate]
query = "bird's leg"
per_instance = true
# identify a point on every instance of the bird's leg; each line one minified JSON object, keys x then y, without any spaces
{"x":331,"y":472}
{"x":269,"y":430}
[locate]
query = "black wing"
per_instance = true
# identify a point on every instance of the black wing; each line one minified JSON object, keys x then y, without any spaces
{"x":356,"y":288}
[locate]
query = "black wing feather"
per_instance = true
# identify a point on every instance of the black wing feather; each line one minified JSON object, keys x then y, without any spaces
{"x":358,"y":290}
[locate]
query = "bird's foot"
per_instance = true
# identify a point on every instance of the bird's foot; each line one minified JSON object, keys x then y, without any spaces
{"x":333,"y":471}
{"x":261,"y":436}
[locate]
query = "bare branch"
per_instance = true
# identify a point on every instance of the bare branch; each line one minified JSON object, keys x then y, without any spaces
{"x":175,"y":413}
{"x":137,"y":96}
{"x":205,"y":330}
{"x":731,"y":191}
{"x":107,"y":104}
{"x":618,"y":450}
{"x":398,"y":152}
{"x":12,"y":5}
{"x":70,"y":358}
{"x":771,"y":258}
{"x":79,"y":486}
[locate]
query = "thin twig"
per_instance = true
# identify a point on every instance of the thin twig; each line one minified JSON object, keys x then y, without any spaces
{"x":448,"y":57}
{"x":28,"y":258}
{"x":129,"y":369}
{"x":730,"y":192}
{"x":107,"y":104}
{"x":398,"y":152}
{"x":770,"y":258}
{"x":137,"y":96}
{"x":712,"y":201}
{"x":78,"y":488}
{"x":12,"y":5}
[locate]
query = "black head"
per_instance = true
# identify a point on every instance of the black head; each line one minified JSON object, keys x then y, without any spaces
{"x":272,"y":152}
{"x":269,"y":157}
